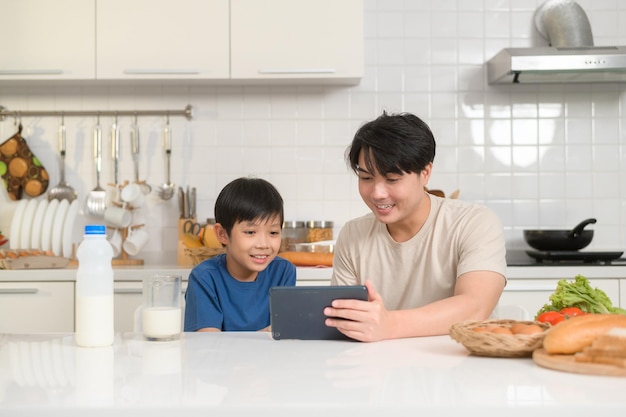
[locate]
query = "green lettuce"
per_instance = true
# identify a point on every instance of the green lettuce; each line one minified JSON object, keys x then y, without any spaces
{"x":580,"y":294}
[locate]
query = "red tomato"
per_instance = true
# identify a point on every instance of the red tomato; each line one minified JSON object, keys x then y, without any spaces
{"x":552,"y":317}
{"x":572,"y":312}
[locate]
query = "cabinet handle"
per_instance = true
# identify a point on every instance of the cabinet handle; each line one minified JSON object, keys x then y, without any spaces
{"x":128,"y":291}
{"x":530,"y":288}
{"x":135,"y":291}
{"x":19,"y":290}
{"x":32,"y":72}
{"x":133,"y":71}
{"x":297,"y":71}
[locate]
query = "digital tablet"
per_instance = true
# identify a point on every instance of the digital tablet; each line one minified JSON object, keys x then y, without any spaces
{"x":298,"y":312}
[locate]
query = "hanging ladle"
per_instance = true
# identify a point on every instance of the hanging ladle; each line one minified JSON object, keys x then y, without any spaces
{"x":166,"y":191}
{"x":63,"y":191}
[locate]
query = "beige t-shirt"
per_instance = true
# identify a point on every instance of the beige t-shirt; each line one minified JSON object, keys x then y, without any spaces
{"x":458,"y":237}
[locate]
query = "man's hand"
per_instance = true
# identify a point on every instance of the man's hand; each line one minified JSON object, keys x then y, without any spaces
{"x":366,"y":321}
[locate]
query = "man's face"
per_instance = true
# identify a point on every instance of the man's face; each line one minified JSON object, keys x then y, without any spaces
{"x":395,"y":198}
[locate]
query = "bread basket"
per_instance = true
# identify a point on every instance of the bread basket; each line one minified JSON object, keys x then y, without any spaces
{"x":498,"y":345}
{"x":197,"y":255}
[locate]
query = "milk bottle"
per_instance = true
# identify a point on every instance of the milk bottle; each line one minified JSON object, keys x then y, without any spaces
{"x":94,"y":289}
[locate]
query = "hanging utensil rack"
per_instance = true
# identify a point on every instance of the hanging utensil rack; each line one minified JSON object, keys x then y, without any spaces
{"x":186,"y":112}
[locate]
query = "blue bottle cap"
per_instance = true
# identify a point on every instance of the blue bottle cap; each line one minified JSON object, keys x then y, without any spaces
{"x":95,"y":229}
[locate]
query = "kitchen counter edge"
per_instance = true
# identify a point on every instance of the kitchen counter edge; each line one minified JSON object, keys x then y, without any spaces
{"x":137,"y":273}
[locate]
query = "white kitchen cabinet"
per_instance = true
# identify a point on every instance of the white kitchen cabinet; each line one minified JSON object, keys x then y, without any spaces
{"x":162,"y":39}
{"x":296,"y":39}
{"x":532,"y":294}
{"x":47,"y":40}
{"x":127,"y":298}
{"x":33,"y":306}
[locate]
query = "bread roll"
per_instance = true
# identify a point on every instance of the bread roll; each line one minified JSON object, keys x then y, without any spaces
{"x":576,"y":333}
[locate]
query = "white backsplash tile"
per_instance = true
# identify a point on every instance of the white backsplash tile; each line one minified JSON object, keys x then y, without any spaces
{"x":540,"y":156}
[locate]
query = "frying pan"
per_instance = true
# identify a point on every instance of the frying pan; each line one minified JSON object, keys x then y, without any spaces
{"x":560,"y":240}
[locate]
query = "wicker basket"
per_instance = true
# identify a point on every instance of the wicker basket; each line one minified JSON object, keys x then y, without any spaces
{"x":198,"y":255}
{"x":498,"y":345}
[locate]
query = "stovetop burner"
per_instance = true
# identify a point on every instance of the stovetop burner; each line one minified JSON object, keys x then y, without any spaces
{"x":585,"y":257}
{"x":564,"y":258}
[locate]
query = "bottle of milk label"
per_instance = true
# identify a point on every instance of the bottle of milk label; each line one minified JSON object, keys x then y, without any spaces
{"x":94,"y":289}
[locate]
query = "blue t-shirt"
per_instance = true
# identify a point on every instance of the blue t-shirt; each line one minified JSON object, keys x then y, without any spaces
{"x":215,"y":299}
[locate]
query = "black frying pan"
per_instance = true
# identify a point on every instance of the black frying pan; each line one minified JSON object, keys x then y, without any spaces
{"x":560,"y":240}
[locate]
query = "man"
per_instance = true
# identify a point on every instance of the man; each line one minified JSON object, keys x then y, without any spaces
{"x":428,"y":262}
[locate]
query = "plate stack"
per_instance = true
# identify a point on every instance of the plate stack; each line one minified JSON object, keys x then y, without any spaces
{"x":44,"y":225}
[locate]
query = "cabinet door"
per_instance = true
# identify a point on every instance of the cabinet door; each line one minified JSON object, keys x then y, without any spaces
{"x":162,"y":39}
{"x":29,"y":307}
{"x":47,"y":40}
{"x":532,"y":294}
{"x":297,"y":39}
{"x":127,"y":298}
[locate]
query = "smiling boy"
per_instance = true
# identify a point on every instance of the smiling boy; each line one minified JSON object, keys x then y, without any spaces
{"x":428,"y":262}
{"x":230,"y":292}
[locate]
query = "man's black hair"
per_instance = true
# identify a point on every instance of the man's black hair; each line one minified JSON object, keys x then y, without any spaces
{"x":392,"y":143}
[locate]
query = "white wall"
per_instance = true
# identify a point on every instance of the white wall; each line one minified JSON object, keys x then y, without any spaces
{"x":541,"y":156}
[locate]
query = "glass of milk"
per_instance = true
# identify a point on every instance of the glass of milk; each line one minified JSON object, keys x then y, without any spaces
{"x":161,"y":312}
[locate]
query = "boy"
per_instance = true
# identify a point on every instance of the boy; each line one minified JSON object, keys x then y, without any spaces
{"x":230,"y":292}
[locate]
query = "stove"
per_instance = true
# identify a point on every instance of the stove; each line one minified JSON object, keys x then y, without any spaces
{"x":564,"y":258}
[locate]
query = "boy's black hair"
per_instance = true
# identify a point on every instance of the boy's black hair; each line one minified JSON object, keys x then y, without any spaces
{"x":392,"y":143}
{"x":247,"y":199}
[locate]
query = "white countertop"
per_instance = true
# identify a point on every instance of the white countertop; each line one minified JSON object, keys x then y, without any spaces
{"x":235,"y":374}
{"x":136,"y":273}
{"x":132,"y":273}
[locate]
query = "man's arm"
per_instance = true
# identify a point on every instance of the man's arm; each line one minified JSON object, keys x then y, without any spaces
{"x":475,"y":296}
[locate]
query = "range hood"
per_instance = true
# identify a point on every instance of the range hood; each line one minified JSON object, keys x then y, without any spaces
{"x":570,"y":56}
{"x":558,"y":65}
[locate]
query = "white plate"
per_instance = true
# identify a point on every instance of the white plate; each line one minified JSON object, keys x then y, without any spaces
{"x":57,"y":228}
{"x":27,"y":223}
{"x":35,"y":234}
{"x":46,"y":228}
{"x":68,"y":229}
{"x":16,"y":224}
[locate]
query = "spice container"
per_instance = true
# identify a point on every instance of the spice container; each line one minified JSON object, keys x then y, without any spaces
{"x":293,"y":232}
{"x":319,"y":230}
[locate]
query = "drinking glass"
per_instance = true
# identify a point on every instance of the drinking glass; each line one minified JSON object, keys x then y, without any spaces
{"x":161,"y":309}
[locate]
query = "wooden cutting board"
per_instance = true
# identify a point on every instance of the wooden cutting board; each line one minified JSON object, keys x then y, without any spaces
{"x":35,"y":262}
{"x":567,"y":363}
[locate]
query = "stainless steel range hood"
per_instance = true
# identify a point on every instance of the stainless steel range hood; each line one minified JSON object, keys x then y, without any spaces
{"x":570,"y":56}
{"x":558,"y":65}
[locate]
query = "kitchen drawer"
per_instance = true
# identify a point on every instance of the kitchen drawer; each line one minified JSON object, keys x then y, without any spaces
{"x":532,"y":294}
{"x":28,"y":307}
{"x":127,"y":298}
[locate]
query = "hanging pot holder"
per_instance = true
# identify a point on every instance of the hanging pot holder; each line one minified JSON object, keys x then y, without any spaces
{"x":20,"y":169}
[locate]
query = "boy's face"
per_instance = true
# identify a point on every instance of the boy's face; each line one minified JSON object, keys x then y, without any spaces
{"x":251,"y":246}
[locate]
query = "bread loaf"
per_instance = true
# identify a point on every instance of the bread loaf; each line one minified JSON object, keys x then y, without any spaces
{"x":608,"y":349}
{"x":576,"y":333}
{"x":308,"y":258}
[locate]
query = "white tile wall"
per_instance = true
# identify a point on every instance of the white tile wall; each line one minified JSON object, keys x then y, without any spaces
{"x":541,"y":156}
